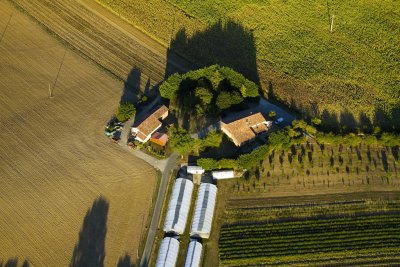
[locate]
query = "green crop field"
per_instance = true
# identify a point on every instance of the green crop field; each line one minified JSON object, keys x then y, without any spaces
{"x":347,"y":233}
{"x":347,"y":76}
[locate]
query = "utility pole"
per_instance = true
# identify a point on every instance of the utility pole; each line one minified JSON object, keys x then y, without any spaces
{"x":50,"y":92}
{"x":333,"y":17}
{"x":58,"y":74}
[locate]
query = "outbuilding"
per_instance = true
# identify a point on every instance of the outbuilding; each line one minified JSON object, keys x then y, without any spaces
{"x":168,"y":253}
{"x":142,"y":130}
{"x":178,"y":209}
{"x":226,"y":174}
{"x":195,"y":170}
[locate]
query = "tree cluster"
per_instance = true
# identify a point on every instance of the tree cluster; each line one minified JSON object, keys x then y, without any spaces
{"x":207,"y":91}
{"x":181,"y":141}
{"x":384,"y":139}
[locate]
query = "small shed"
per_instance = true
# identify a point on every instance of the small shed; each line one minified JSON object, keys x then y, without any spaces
{"x":168,"y":253}
{"x":195,"y":170}
{"x":159,"y":138}
{"x":226,"y":174}
{"x":193,"y":256}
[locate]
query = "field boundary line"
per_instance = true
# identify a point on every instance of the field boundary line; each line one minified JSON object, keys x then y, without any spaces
{"x":65,"y":42}
{"x":5,"y":29}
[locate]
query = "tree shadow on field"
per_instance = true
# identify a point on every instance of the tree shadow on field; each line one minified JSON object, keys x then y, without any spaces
{"x":125,"y":261}
{"x":13,"y":262}
{"x":388,"y":120}
{"x":131,"y":91}
{"x":226,"y":43}
{"x":90,"y":249}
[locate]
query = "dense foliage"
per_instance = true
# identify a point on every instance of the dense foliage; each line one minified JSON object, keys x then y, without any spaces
{"x":125,"y":111}
{"x":384,"y":139}
{"x":181,"y":141}
{"x":207,"y":91}
{"x":244,"y":161}
{"x":209,"y":164}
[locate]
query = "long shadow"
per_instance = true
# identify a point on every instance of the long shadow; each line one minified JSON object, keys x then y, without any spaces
{"x":90,"y":249}
{"x":384,"y":159}
{"x":226,"y":43}
{"x":125,"y":261}
{"x":388,"y":120}
{"x":13,"y":262}
{"x":131,"y":91}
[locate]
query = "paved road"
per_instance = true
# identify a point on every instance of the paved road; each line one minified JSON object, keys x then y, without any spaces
{"x":170,"y":164}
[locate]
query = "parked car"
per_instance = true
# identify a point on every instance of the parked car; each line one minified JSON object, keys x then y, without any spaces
{"x":279,"y":120}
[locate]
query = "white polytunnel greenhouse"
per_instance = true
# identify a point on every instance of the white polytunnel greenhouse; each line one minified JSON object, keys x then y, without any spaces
{"x":179,"y":205}
{"x":204,"y":211}
{"x":168,"y":252}
{"x":193,"y":256}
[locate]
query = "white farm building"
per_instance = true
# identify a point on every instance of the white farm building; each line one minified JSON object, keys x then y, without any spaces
{"x":168,"y":252}
{"x":227,"y":174}
{"x":193,"y":256}
{"x":178,"y":209}
{"x":195,"y":170}
{"x":204,"y":211}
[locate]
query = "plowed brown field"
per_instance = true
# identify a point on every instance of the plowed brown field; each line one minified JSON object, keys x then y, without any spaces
{"x":114,"y":45}
{"x":54,"y":160}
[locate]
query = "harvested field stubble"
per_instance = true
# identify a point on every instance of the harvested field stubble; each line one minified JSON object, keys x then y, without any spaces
{"x":54,"y":160}
{"x":106,"y":42}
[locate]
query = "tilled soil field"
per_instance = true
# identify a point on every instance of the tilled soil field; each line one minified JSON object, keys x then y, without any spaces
{"x":63,"y":185}
{"x":119,"y":50}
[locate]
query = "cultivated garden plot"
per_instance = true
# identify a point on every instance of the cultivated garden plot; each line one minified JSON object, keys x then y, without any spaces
{"x":350,"y":232}
{"x":311,"y":168}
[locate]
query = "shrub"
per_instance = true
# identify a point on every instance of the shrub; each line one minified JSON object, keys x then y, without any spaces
{"x":213,"y":139}
{"x":279,"y":139}
{"x":180,"y":140}
{"x":125,"y":111}
{"x":253,"y":159}
{"x":272,"y":114}
{"x":207,"y":164}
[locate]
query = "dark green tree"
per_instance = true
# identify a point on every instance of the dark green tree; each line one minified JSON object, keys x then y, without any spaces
{"x":125,"y":111}
{"x":180,"y":140}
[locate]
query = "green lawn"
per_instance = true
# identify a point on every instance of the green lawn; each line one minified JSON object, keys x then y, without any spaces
{"x":353,"y":70}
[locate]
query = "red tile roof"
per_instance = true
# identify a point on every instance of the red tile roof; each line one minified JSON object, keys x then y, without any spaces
{"x":245,"y":129}
{"x":152,"y":122}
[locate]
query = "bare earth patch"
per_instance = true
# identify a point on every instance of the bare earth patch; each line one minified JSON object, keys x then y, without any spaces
{"x":54,"y":160}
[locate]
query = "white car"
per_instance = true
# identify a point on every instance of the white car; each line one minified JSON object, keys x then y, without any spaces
{"x":279,"y":120}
